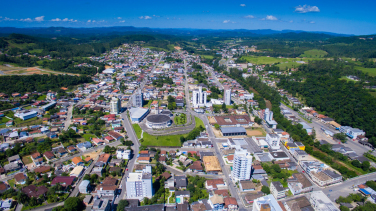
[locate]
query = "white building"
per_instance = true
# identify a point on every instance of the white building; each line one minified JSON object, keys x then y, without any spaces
{"x":320,"y":202}
{"x":138,"y":99}
{"x":115,"y":105}
{"x":241,"y":169}
{"x":268,"y":117}
{"x":227,"y":95}
{"x":266,"y":203}
{"x":123,"y":154}
{"x":84,"y":187}
{"x":199,"y":98}
{"x":139,"y":185}
{"x":273,"y":141}
{"x":277,"y":189}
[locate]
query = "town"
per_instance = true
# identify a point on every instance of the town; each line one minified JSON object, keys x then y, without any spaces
{"x":159,"y":130}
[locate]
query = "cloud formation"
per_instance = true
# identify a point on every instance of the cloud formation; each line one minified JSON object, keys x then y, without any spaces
{"x":306,"y":8}
{"x":39,"y":19}
{"x":312,"y":22}
{"x":26,"y":20}
{"x":270,"y":18}
{"x":145,"y":17}
{"x":119,"y":18}
{"x":226,"y":21}
{"x":64,"y":20}
{"x":249,"y":16}
{"x":242,"y":5}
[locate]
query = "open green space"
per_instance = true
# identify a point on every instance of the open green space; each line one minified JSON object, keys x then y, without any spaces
{"x":11,"y":182}
{"x":180,"y":119}
{"x":42,"y":97}
{"x":137,"y":130}
{"x":88,"y":136}
{"x":314,"y":53}
{"x":27,"y":160}
{"x":370,"y":71}
{"x":207,"y":56}
{"x":172,"y":140}
{"x":35,"y":51}
{"x":373,"y":94}
{"x":199,"y":122}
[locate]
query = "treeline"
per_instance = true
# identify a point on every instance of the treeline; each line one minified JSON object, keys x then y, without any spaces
{"x":347,"y":102}
{"x":69,"y":66}
{"x":296,"y":131}
{"x":39,"y":83}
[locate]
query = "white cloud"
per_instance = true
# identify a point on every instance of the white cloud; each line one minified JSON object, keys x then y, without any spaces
{"x":41,"y":18}
{"x":306,"y":8}
{"x":8,"y":19}
{"x":119,"y":18}
{"x":242,"y":5}
{"x":56,"y":19}
{"x":93,"y":21}
{"x":271,"y":18}
{"x":26,"y":20}
{"x":226,"y":21}
{"x":291,"y":21}
{"x":122,"y":21}
{"x":157,"y":16}
{"x":312,"y":22}
{"x":249,"y":16}
{"x":145,"y":17}
{"x":89,"y":21}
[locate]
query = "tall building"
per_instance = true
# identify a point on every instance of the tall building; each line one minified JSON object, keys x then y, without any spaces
{"x":273,"y":141}
{"x":241,"y":169}
{"x":138,"y":99}
{"x":199,"y":98}
{"x":266,"y":203}
{"x":139,"y":185}
{"x":227,"y":95}
{"x":115,"y":105}
{"x":268,"y":117}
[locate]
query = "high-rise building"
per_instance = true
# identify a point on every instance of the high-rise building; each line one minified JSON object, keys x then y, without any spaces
{"x":273,"y":141}
{"x":199,"y":98}
{"x":115,"y":105}
{"x":139,"y":185}
{"x":227,"y":95}
{"x":241,"y":169}
{"x":138,"y":99}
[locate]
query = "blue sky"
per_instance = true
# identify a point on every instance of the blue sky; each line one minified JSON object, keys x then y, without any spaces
{"x":348,"y":17}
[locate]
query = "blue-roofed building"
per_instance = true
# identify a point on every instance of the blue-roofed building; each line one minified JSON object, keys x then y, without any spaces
{"x":138,"y":114}
{"x":48,"y":106}
{"x":26,"y":115}
{"x":233,"y":131}
{"x":24,"y":134}
{"x":4,"y":131}
{"x":84,"y":146}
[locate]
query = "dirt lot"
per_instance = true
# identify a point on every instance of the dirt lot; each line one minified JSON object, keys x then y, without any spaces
{"x":93,"y":155}
{"x":212,"y":120}
{"x":12,"y":70}
{"x":254,"y":133}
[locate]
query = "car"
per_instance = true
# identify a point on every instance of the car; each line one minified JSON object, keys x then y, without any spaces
{"x":120,"y":186}
{"x":126,"y":169}
{"x":302,"y":171}
{"x":330,"y":190}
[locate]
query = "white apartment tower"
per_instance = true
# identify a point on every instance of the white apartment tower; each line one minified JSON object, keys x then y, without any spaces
{"x":227,"y":95}
{"x":241,"y":169}
{"x":138,"y":99}
{"x":139,"y":185}
{"x":273,"y":141}
{"x":199,"y":98}
{"x":115,"y":105}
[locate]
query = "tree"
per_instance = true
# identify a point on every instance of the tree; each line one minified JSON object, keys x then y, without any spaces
{"x":265,"y":189}
{"x":340,"y":136}
{"x":122,"y":204}
{"x":356,"y":163}
{"x":73,"y":204}
{"x":366,"y":165}
{"x":128,"y":143}
{"x":217,"y":127}
{"x":258,"y":120}
{"x":343,"y":208}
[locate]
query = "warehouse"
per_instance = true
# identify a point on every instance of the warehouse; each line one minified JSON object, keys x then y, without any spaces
{"x":233,"y":131}
{"x":138,"y":114}
{"x":26,"y":115}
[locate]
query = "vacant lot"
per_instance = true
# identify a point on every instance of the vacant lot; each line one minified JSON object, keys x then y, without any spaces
{"x":314,"y":53}
{"x":199,"y":122}
{"x":8,"y":69}
{"x":255,"y":132}
{"x":172,"y":140}
{"x":27,"y":160}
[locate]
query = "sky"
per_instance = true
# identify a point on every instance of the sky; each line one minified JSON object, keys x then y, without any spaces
{"x":345,"y":17}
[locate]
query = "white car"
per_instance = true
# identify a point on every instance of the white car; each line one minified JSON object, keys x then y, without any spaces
{"x":120,"y":186}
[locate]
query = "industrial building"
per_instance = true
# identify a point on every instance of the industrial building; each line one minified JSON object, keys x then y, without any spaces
{"x":233,"y":131}
{"x":138,"y":114}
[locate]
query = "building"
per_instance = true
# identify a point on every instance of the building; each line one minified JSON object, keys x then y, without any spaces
{"x":266,"y":203}
{"x":242,"y":165}
{"x":139,"y":185}
{"x":138,"y":114}
{"x":233,"y":131}
{"x":230,"y":204}
{"x":123,"y":154}
{"x":319,"y":173}
{"x":216,"y":202}
{"x":101,"y":205}
{"x":215,"y":184}
{"x":84,"y":187}
{"x":212,"y":165}
{"x":268,"y":117}
{"x":115,"y":105}
{"x":138,"y":99}
{"x":227,"y":95}
{"x":320,"y":202}
{"x":26,"y":115}
{"x":199,"y":98}
{"x":299,"y":154}
{"x":273,"y":141}
{"x":299,"y":184}
{"x":233,"y":121}
{"x":33,"y":191}
{"x":300,"y":203}
{"x":77,"y":171}
{"x":246,"y":185}
{"x":277,"y":190}
{"x":158,"y":121}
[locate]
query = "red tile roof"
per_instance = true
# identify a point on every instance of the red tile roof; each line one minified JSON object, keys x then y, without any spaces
{"x":64,"y":181}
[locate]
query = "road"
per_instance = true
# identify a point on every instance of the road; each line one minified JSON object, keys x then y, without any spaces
{"x":68,"y":121}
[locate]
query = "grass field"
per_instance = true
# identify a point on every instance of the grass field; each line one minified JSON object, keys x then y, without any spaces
{"x":181,"y":119}
{"x":88,"y":136}
{"x":172,"y":140}
{"x":373,"y":94}
{"x":26,"y":160}
{"x":199,"y":122}
{"x":42,"y":97}
{"x":207,"y":56}
{"x":35,"y":51}
{"x":370,"y":71}
{"x":11,"y":182}
{"x":314,"y":53}
{"x":264,"y":59}
{"x":137,"y":130}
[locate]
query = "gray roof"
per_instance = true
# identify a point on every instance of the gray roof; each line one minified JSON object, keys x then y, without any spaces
{"x":278,"y":186}
{"x":182,"y":193}
{"x":332,"y":174}
{"x":233,"y":130}
{"x":279,"y":154}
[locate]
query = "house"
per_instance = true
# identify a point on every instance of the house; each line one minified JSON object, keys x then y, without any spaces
{"x":216,"y":202}
{"x":101,"y":205}
{"x":115,"y":162}
{"x":277,"y":190}
{"x":12,"y":167}
{"x":33,"y":191}
{"x":87,"y":200}
{"x":84,"y":146}
{"x":20,"y":178}
{"x":63,"y":181}
{"x":250,"y":197}
{"x":77,"y":161}
{"x":14,"y":158}
{"x":48,"y":155}
{"x":215,"y":184}
{"x":123,"y":154}
{"x":196,"y":166}
{"x":246,"y":185}
{"x":42,"y":169}
{"x":143,"y":159}
{"x":37,"y":158}
{"x":182,"y":196}
{"x":115,"y":135}
{"x":299,"y":184}
{"x":77,"y":171}
{"x":230,"y":204}
{"x":71,"y":149}
{"x":3,"y":187}
{"x":107,"y":188}
{"x":300,"y":203}
{"x":103,"y":158}
{"x":180,"y":181}
{"x":84,"y":187}
{"x":98,"y":171}
{"x":97,"y":141}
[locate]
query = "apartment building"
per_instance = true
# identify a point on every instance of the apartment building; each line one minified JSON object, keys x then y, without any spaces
{"x":242,"y":165}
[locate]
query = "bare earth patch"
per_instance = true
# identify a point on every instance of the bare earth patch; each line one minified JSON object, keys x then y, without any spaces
{"x":93,"y":155}
{"x":254,"y":133}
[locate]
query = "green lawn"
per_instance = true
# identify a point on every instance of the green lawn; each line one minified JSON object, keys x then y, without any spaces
{"x":207,"y":56}
{"x":35,"y":51}
{"x":137,"y":129}
{"x":373,"y":94}
{"x":181,"y":119}
{"x":199,"y":122}
{"x":88,"y":136}
{"x":172,"y":140}
{"x":11,"y":182}
{"x":264,"y":59}
{"x":28,"y":107}
{"x":370,"y":71}
{"x":42,"y":97}
{"x":26,"y":160}
{"x":314,"y":53}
